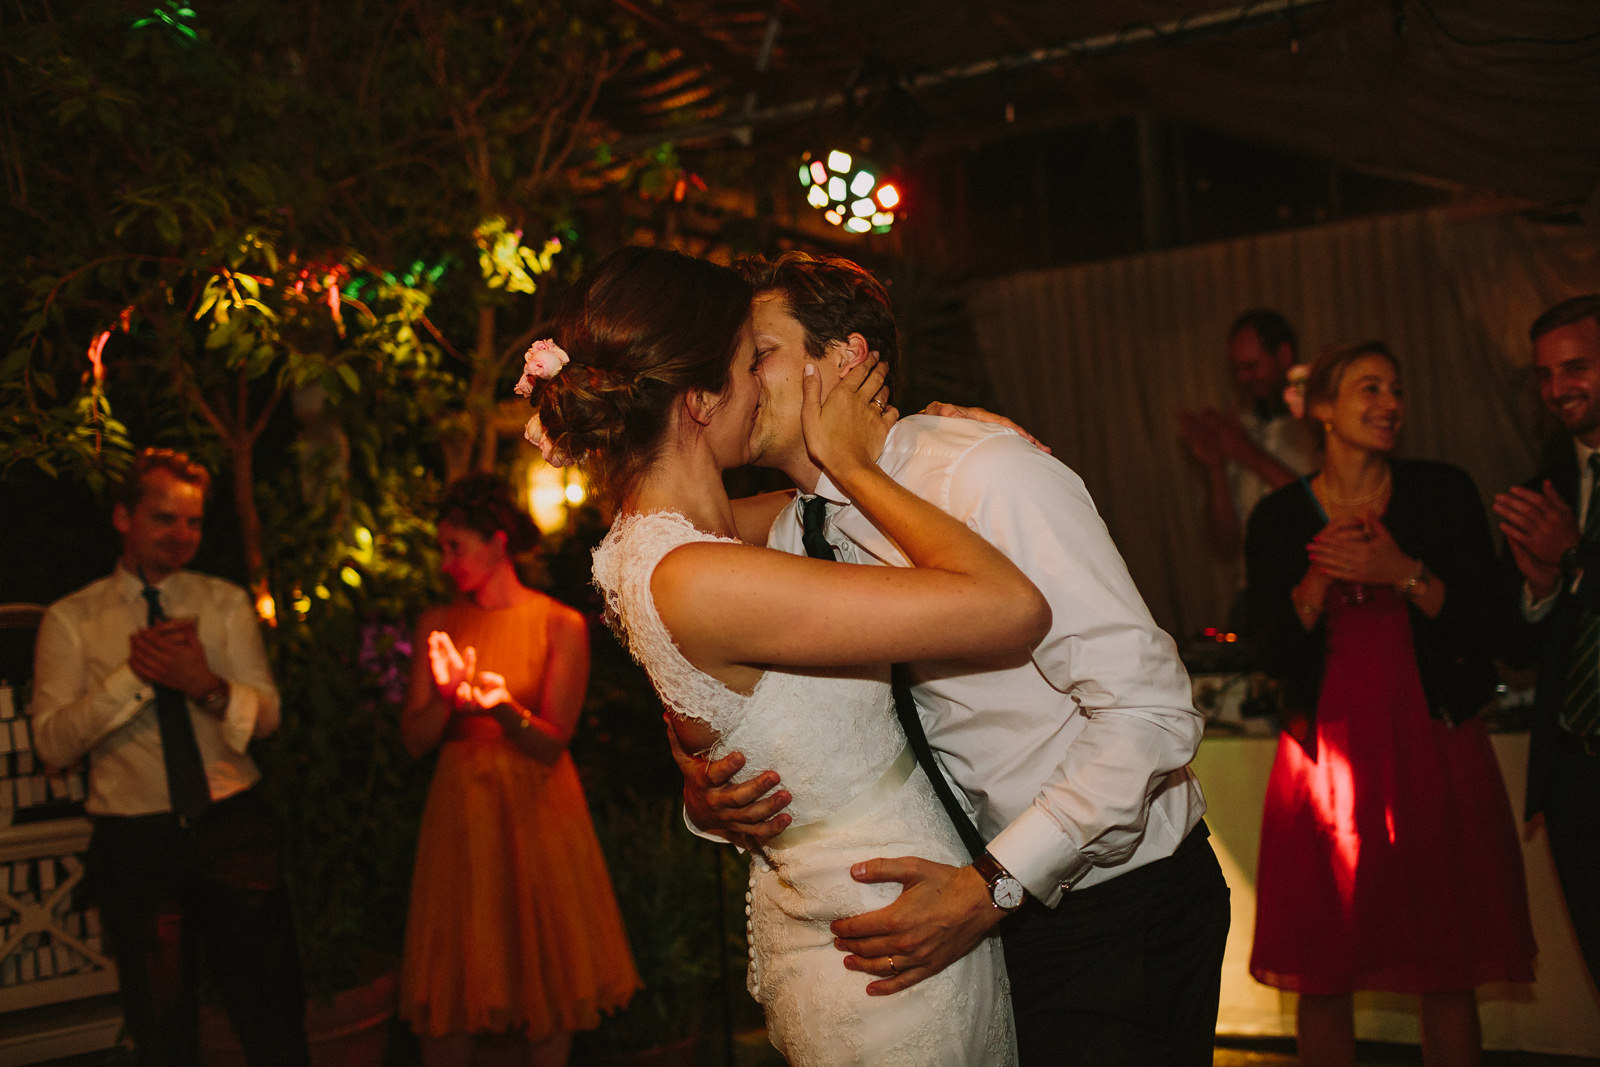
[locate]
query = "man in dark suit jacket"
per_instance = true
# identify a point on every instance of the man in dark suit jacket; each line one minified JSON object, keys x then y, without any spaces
{"x":1557,"y":555}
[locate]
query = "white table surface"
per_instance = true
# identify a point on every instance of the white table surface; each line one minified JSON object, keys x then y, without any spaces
{"x":1558,"y":1013}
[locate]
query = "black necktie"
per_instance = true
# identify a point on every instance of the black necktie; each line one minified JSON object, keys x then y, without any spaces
{"x":186,"y":774}
{"x":813,"y":521}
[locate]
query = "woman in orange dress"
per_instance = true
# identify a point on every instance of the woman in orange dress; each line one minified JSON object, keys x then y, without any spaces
{"x":514,"y":940}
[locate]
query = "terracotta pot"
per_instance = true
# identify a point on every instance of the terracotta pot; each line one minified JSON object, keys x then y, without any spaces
{"x":349,"y":1030}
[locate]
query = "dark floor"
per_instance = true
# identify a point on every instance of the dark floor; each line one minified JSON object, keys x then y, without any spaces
{"x":751,"y":1049}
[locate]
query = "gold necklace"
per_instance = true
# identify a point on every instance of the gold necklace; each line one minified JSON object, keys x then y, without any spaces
{"x":1356,"y":501}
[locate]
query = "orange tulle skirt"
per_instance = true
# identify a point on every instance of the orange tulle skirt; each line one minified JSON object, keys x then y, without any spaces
{"x":513,"y":926}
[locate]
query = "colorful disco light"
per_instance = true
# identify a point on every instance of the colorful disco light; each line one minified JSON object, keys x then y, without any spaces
{"x":849,"y":192}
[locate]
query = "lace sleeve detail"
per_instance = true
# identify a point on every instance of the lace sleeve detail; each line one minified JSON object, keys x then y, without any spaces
{"x":623,"y":566}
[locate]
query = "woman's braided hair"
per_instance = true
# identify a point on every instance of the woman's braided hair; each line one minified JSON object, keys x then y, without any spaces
{"x":641,"y":328}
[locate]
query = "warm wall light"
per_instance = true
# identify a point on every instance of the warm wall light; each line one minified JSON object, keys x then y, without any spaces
{"x":849,"y":191}
{"x":552,"y":493}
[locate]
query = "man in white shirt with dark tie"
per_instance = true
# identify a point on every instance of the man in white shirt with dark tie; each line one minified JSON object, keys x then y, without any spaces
{"x":157,"y":677}
{"x":1073,"y":758}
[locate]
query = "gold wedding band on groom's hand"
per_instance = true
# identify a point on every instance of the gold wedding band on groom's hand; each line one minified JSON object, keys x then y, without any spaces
{"x":879,"y":404}
{"x":893,"y":970}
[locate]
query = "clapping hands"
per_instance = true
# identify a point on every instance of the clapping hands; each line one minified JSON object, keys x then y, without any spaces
{"x":1213,"y":438}
{"x":1360,"y":550}
{"x":458,"y":680}
{"x":1539,"y":529}
{"x":169,"y":653}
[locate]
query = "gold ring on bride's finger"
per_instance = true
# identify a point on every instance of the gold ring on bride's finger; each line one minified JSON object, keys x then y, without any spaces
{"x":892,"y":968}
{"x":879,"y":404}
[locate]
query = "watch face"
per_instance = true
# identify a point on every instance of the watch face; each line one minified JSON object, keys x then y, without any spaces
{"x":1006,"y":892}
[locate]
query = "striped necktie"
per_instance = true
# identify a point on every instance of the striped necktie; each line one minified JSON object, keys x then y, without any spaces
{"x":1580,"y":706}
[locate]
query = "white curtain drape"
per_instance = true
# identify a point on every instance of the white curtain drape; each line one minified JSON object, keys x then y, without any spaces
{"x":1097,"y":359}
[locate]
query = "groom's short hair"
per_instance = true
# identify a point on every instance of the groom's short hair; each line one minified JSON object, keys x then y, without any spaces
{"x":831,"y":297}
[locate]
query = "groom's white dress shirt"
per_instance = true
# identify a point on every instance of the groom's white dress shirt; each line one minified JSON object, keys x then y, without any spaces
{"x":1074,"y":757}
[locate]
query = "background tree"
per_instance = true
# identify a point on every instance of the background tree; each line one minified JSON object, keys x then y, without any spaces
{"x":285,"y":239}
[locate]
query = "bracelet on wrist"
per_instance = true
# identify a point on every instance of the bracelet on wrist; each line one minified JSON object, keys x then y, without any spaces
{"x":1417,"y":584}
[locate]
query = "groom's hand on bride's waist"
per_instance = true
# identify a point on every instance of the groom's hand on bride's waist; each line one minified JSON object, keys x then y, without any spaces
{"x":940,"y":915}
{"x":748,"y":813}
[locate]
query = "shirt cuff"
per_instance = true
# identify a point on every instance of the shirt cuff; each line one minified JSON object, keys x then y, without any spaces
{"x":702,"y":834}
{"x":239,"y":718}
{"x":1040,"y":856}
{"x":1536,"y":610}
{"x":129,"y":692}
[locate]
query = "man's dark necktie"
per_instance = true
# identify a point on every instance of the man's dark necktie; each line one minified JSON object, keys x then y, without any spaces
{"x":186,"y":774}
{"x":814,"y":518}
{"x":1580,"y":706}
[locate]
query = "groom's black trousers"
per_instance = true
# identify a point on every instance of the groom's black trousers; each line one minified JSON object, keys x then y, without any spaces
{"x":1124,"y":972}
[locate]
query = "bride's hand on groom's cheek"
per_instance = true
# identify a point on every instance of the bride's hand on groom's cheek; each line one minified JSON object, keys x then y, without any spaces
{"x":942,"y":913}
{"x":848,"y":426}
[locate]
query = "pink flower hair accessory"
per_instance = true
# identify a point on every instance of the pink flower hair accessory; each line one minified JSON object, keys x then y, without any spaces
{"x":543,"y":360}
{"x":536,"y":435}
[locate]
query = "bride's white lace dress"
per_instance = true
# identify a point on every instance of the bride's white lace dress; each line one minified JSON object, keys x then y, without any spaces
{"x":858,"y":795}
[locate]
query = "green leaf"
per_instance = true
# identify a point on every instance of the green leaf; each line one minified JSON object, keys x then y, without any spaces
{"x":168,"y":227}
{"x":108,"y":115}
{"x":223,"y":334}
{"x":351,"y":379}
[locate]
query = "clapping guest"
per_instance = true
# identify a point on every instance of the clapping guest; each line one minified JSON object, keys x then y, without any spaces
{"x":514,"y":940}
{"x":1389,"y":857}
{"x":1249,"y":452}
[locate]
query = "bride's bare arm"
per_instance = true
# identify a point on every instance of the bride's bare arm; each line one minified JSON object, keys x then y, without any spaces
{"x":731,"y":605}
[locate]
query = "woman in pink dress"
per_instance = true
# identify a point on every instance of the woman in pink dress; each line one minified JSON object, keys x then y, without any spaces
{"x":1389,"y":856}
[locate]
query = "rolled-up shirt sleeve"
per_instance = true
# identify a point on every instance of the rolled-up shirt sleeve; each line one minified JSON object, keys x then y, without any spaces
{"x":1104,"y":651}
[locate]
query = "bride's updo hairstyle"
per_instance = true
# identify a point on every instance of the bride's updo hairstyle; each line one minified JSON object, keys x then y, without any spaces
{"x":643,"y":327}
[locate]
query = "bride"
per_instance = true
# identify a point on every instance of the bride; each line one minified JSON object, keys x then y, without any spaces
{"x":651,"y":383}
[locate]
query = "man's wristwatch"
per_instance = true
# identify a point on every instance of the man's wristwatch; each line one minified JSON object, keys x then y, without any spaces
{"x":1570,"y":563}
{"x":1005,"y":891}
{"x":216,"y":701}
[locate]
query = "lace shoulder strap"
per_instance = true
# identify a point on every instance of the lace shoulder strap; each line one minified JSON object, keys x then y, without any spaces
{"x":623,"y":566}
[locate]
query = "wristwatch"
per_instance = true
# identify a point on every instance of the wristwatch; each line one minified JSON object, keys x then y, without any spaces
{"x":1004,"y":890}
{"x":216,"y":701}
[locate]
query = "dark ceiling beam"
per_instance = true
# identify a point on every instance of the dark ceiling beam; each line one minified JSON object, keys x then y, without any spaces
{"x":697,"y":46}
{"x":1182,"y":30}
{"x":1178,"y":31}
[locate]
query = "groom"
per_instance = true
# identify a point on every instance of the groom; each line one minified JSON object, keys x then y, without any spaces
{"x":1073,"y":757}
